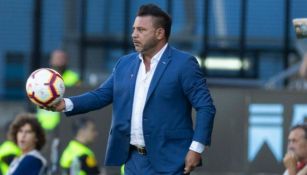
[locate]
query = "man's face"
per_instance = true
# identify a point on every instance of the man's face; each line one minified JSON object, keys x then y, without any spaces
{"x":297,"y":143}
{"x":144,"y":35}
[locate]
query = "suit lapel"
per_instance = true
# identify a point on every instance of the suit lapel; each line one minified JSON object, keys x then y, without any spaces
{"x":165,"y":59}
{"x":133,"y":74}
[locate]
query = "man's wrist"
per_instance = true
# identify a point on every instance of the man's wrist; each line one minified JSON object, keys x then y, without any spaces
{"x":68,"y":105}
{"x":197,"y":147}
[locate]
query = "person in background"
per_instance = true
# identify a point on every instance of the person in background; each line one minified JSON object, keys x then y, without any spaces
{"x":295,"y":159}
{"x":50,"y":120}
{"x":300,"y":81}
{"x":8,"y":151}
{"x":28,"y":134}
{"x":77,"y":157}
{"x":59,"y":62}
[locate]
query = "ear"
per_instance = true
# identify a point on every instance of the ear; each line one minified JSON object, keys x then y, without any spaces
{"x":160,"y":33}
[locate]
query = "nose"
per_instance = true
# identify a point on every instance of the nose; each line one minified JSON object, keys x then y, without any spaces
{"x":22,"y":135}
{"x":133,"y":34}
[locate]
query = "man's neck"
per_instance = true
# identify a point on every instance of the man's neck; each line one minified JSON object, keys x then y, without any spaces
{"x":147,"y":56}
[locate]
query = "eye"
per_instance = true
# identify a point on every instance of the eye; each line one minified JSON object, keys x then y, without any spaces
{"x":141,"y":29}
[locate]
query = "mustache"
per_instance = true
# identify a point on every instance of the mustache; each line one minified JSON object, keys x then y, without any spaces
{"x":290,"y":149}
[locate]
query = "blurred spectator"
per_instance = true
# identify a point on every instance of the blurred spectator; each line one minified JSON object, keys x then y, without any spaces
{"x":296,"y":74}
{"x":58,"y":61}
{"x":300,"y":82}
{"x":48,"y":119}
{"x":300,"y":26}
{"x":77,"y":157}
{"x":295,"y":159}
{"x":28,"y":134}
{"x":8,"y":151}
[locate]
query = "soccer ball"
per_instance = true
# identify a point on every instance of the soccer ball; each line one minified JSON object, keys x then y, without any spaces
{"x":45,"y":87}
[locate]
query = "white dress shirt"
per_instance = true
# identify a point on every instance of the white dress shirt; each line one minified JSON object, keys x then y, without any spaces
{"x":140,"y":93}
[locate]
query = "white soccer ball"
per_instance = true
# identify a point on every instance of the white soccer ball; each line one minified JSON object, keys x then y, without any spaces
{"x":45,"y":87}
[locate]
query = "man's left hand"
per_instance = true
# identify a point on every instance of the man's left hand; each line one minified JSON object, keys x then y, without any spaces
{"x":192,"y":160}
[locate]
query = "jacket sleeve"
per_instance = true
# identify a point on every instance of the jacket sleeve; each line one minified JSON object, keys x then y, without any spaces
{"x":95,"y":99}
{"x":195,"y":88}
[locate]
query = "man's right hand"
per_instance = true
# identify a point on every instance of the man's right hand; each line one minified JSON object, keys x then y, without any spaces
{"x":58,"y":107}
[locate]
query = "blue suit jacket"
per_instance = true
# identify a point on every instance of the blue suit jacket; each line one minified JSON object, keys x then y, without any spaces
{"x":177,"y":86}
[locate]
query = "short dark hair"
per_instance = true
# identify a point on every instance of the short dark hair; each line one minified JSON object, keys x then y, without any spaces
{"x":162,"y":18}
{"x":27,"y":118}
{"x":80,"y":123}
{"x":302,"y":126}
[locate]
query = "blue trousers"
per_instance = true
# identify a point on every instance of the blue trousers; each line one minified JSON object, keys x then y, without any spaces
{"x":138,"y":164}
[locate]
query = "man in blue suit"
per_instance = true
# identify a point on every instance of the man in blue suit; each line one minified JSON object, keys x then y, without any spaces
{"x":152,"y":92}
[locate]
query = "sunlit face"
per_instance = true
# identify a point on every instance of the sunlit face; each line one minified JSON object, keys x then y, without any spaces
{"x":144,"y":36}
{"x":26,"y":138}
{"x":298,"y":143}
